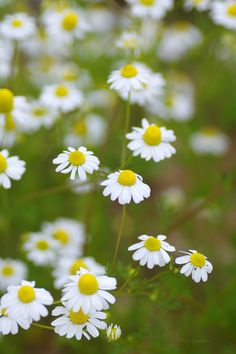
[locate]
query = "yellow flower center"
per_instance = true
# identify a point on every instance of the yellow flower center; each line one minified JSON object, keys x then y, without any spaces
{"x":70,"y":75}
{"x":77,"y":158}
{"x":3,"y":163}
{"x":152,"y":135}
{"x":70,"y":21}
{"x":39,"y":112}
{"x":198,"y":260}
{"x":7,"y":271}
{"x":6,"y":101}
{"x":61,"y":91}
{"x":129,"y":71}
{"x":16,"y":23}
{"x":42,"y":245}
{"x":147,"y":2}
{"x":78,"y":317}
{"x":26,"y":294}
{"x":62,"y":236}
{"x":4,"y":312}
{"x":80,"y":128}
{"x":231,"y":10}
{"x":152,"y":244}
{"x":127,"y":178}
{"x":9,"y":122}
{"x":169,"y":101}
{"x":77,"y":265}
{"x":88,"y":284}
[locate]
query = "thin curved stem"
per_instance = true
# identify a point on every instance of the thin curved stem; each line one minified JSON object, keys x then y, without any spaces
{"x":126,"y":127}
{"x":42,"y":326}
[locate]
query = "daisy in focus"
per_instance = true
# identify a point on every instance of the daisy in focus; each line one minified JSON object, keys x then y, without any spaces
{"x":113,"y":332}
{"x":11,"y":272}
{"x":88,"y":292}
{"x":210,"y":141}
{"x":10,"y":168}
{"x":24,"y":301}
{"x":155,"y":9}
{"x":9,"y":324}
{"x":151,"y":142}
{"x":152,"y":251}
{"x":200,"y":5}
{"x":195,"y":264}
{"x":77,"y":162}
{"x":78,"y":324}
{"x":224,"y":13}
{"x":126,"y":186}
{"x":17,"y":27}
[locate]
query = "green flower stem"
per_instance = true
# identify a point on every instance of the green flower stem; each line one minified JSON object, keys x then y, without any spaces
{"x":126,"y":127}
{"x":42,"y":326}
{"x":131,"y":276}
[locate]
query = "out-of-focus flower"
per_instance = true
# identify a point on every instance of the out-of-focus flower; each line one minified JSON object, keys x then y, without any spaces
{"x":9,"y":324}
{"x":150,"y":8}
{"x":10,"y":168}
{"x":210,"y":141}
{"x":40,"y":116}
{"x":113,"y":332}
{"x":224,"y":13}
{"x":18,"y":26}
{"x":11,"y":272}
{"x":200,"y":5}
{"x":129,"y":41}
{"x":173,"y":197}
{"x":40,"y":249}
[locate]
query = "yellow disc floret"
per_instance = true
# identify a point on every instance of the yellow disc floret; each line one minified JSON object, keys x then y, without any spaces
{"x":231,"y":10}
{"x":39,"y":112}
{"x":16,"y":23}
{"x":42,"y":245}
{"x":152,"y":244}
{"x":62,"y":236}
{"x":7,"y":270}
{"x":88,"y":284}
{"x":6,"y":101}
{"x":77,"y":158}
{"x":3,"y":312}
{"x":147,"y":2}
{"x":197,"y":260}
{"x":9,"y":122}
{"x":70,"y":21}
{"x":61,"y":91}
{"x":3,"y":163}
{"x":78,"y":317}
{"x":26,"y":294}
{"x":129,"y":71}
{"x":79,"y":263}
{"x":152,"y":135}
{"x":80,"y":128}
{"x":127,"y":178}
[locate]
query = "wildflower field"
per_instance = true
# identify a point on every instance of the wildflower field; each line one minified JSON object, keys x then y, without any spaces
{"x":117,"y":176}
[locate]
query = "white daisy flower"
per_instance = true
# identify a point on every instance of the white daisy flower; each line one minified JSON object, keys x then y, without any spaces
{"x":130,"y":77}
{"x":152,"y":251}
{"x":113,"y":332}
{"x":11,"y":272}
{"x":68,"y":234}
{"x":40,"y":116}
{"x":26,"y":302}
{"x":9,"y":325}
{"x":68,"y":266}
{"x":200,"y":5}
{"x":40,"y":249}
{"x":173,"y":198}
{"x":151,"y":142}
{"x":129,"y":41}
{"x":77,"y":323}
{"x":78,"y":161}
{"x":195,"y":264}
{"x":64,"y":98}
{"x":150,"y":8}
{"x":10,"y":168}
{"x":88,"y":292}
{"x":210,"y":141}
{"x":18,"y":26}
{"x":224,"y":13}
{"x":125,"y":186}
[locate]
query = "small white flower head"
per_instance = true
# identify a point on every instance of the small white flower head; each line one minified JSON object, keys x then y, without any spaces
{"x":88,"y":292}
{"x":11,"y":272}
{"x":79,"y":187}
{"x":210,"y":141}
{"x":68,"y":266}
{"x":113,"y":332}
{"x":200,"y":5}
{"x":10,"y":168}
{"x":195,"y":264}
{"x":152,"y":251}
{"x":26,"y":302}
{"x":130,"y":77}
{"x":40,"y":116}
{"x":129,"y":41}
{"x":40,"y":249}
{"x":64,"y":98}
{"x":77,"y":162}
{"x":224,"y":13}
{"x":126,"y":186}
{"x":18,"y":26}
{"x":9,"y":324}
{"x":173,"y":198}
{"x":77,"y":323}
{"x":151,"y":142}
{"x":155,"y":9}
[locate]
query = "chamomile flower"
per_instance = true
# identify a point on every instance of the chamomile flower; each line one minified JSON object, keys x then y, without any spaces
{"x":150,"y":8}
{"x":64,"y":97}
{"x":40,"y":116}
{"x":26,"y":302}
{"x":152,"y":251}
{"x":10,"y":168}
{"x":78,"y":161}
{"x":126,"y":186}
{"x":113,"y":332}
{"x":9,"y":324}
{"x":173,"y":198}
{"x":224,"y":13}
{"x":18,"y":26}
{"x":200,"y":5}
{"x":195,"y":264}
{"x":129,"y":41}
{"x":130,"y":77}
{"x":67,"y":266}
{"x":11,"y":272}
{"x":40,"y":249}
{"x":77,"y":323}
{"x":88,"y":292}
{"x":210,"y":141}
{"x":151,"y":142}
